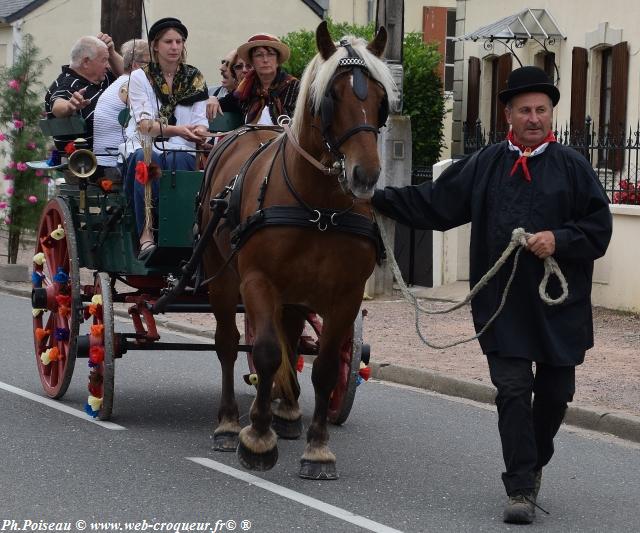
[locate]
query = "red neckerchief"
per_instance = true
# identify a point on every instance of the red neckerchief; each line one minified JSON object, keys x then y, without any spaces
{"x":525,"y":152}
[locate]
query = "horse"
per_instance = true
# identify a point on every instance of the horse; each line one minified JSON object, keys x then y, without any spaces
{"x":298,"y":237}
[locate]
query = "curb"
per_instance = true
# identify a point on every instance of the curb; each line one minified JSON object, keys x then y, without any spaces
{"x":618,"y":423}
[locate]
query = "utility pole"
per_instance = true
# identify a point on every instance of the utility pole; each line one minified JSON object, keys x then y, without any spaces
{"x":121,"y":19}
{"x":394,"y":142}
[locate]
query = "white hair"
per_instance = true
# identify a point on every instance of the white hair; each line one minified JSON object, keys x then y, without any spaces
{"x":86,"y":46}
{"x":318,"y":74}
{"x":132,"y":51}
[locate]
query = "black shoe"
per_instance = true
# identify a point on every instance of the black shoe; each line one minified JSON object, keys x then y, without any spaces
{"x":520,"y":509}
{"x":146,"y":251}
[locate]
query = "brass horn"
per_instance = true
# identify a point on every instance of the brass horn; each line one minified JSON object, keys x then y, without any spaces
{"x":82,"y":163}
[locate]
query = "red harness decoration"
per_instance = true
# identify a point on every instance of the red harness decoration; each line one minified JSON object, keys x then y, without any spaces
{"x":526,"y":153}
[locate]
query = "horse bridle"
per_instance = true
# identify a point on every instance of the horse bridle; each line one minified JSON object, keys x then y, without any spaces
{"x":355,"y":64}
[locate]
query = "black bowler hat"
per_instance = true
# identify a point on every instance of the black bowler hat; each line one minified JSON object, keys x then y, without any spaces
{"x":529,"y":80}
{"x":167,"y":22}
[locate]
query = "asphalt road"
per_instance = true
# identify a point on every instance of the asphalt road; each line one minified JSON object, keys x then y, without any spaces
{"x":408,"y":460}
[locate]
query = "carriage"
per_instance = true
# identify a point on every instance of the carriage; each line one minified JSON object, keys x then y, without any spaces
{"x":90,"y":226}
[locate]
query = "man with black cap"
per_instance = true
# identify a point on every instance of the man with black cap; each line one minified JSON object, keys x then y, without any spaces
{"x":527,"y":181}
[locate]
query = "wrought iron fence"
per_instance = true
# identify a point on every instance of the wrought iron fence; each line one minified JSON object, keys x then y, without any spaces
{"x":615,"y":158}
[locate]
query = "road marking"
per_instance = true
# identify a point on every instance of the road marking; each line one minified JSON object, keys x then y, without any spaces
{"x":59,"y":406}
{"x":326,"y":508}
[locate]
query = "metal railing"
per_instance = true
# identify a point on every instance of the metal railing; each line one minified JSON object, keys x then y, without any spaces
{"x":615,"y":158}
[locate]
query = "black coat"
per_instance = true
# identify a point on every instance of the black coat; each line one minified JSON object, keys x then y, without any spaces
{"x":564,"y":196}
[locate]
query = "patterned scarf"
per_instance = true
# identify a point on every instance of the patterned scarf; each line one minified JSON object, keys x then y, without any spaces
{"x":253,"y":98}
{"x":189,"y":87}
{"x":527,"y":152}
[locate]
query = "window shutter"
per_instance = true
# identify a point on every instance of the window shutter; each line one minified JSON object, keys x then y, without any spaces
{"x":473,"y":92}
{"x":579,"y":66}
{"x":504,"y":69}
{"x":619,"y":83}
{"x":434,"y":29}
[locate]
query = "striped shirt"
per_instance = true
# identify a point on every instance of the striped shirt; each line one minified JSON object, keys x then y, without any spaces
{"x":63,"y":87}
{"x":107,"y":131}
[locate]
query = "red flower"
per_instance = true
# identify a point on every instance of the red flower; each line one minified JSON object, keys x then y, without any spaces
{"x":142,"y":172}
{"x":70,"y":147}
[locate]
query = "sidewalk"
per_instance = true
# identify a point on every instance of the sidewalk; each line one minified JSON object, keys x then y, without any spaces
{"x":399,"y":357}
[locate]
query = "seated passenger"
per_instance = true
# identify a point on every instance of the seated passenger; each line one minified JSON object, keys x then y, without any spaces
{"x":107,"y":131}
{"x":167,"y":98}
{"x":228,"y":82}
{"x":82,"y":81}
{"x":267,"y":91}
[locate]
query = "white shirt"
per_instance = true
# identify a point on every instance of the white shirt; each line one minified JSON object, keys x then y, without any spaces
{"x":144,"y":105}
{"x":107,"y":131}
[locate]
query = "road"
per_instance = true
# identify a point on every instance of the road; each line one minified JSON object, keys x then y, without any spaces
{"x":408,"y":460}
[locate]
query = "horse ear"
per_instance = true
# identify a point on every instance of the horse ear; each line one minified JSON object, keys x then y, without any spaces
{"x":323,"y":41}
{"x":378,"y":43}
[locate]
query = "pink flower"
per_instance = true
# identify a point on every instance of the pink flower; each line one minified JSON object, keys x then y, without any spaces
{"x":3,"y":205}
{"x":45,"y":181}
{"x":3,"y":137}
{"x":31,"y":146}
{"x":39,"y":173}
{"x":11,"y":164}
{"x":7,"y":220}
{"x":9,"y":191}
{"x":32,"y":199}
{"x":8,"y":177}
{"x":22,"y":167}
{"x":18,"y":123}
{"x":14,"y":84}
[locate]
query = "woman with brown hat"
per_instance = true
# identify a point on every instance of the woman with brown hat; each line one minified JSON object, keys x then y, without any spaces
{"x":267,"y":91}
{"x":167,"y":98}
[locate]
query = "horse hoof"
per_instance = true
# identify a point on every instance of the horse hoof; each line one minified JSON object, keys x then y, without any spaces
{"x":257,"y":461}
{"x":317,"y":470}
{"x":225,"y":441}
{"x":287,"y":429}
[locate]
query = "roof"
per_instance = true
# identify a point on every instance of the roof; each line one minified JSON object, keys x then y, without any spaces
{"x":319,"y":7}
{"x":537,"y":24}
{"x":12,"y":10}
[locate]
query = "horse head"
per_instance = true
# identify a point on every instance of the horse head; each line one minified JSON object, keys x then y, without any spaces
{"x":345,"y":92}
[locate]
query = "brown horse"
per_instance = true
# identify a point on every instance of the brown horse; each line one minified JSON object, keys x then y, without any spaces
{"x":301,"y":223}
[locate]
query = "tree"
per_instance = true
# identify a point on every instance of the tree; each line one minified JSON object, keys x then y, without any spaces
{"x":423,"y":97}
{"x":25,"y":191}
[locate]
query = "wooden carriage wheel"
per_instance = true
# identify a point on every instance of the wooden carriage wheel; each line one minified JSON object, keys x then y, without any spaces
{"x":56,"y":298}
{"x":102,"y":347}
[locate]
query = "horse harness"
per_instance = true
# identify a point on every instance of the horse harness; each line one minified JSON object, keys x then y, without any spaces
{"x":303,"y":215}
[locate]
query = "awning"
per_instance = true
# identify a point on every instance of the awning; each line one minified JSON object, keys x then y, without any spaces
{"x":536,"y":24}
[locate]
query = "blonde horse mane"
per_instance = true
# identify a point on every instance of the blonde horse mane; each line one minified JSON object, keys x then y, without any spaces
{"x":318,"y":74}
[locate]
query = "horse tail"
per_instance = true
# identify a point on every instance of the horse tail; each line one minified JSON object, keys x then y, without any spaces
{"x":285,"y":381}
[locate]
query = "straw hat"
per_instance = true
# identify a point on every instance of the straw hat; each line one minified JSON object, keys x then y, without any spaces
{"x":264,"y":39}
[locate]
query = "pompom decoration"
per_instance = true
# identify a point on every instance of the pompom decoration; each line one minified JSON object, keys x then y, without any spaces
{"x":142,"y":172}
{"x":61,"y":276}
{"x":42,"y":334}
{"x":106,"y":185}
{"x":253,"y":379}
{"x":94,"y":390}
{"x":63,"y":299}
{"x":365,"y":372}
{"x":39,"y":259}
{"x":97,"y":330}
{"x":64,"y":311}
{"x":96,"y":299}
{"x":300,"y":363}
{"x":93,"y":309}
{"x":37,"y":312}
{"x":54,"y":354}
{"x":58,"y":233}
{"x":95,"y":403}
{"x":54,"y":159}
{"x":90,"y":411}
{"x":37,"y":278}
{"x":96,"y":354}
{"x":61,"y":334}
{"x":44,"y":357}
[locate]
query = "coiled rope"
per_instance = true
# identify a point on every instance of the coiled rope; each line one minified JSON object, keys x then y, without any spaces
{"x":518,"y":242}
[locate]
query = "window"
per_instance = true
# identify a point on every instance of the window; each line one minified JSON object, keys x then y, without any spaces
{"x":604,"y":115}
{"x":450,"y":50}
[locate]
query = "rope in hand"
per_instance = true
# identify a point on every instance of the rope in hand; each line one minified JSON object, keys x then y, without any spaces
{"x":518,"y":242}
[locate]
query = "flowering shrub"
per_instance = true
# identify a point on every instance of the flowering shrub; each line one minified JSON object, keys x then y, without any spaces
{"x":21,"y":141}
{"x":628,"y":194}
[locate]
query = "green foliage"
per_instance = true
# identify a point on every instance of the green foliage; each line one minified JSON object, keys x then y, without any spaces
{"x":21,"y":140}
{"x":422,"y":99}
{"x":303,"y":43}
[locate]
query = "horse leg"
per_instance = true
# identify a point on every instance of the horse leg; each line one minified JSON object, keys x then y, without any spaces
{"x":287,"y":418}
{"x":223,"y":303}
{"x":257,"y":447}
{"x":318,"y":461}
